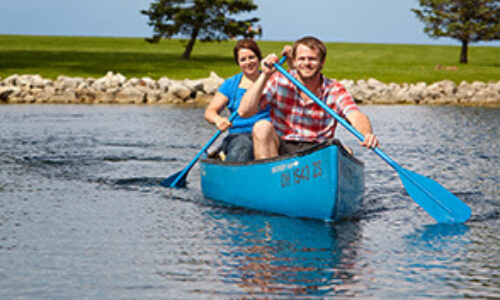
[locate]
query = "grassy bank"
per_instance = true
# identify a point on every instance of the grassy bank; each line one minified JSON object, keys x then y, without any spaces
{"x":51,"y":56}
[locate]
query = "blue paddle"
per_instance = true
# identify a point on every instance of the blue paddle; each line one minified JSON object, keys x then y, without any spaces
{"x":437,"y":201}
{"x":179,"y":179}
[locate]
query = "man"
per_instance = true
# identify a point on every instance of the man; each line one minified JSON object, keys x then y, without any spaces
{"x":296,"y":120}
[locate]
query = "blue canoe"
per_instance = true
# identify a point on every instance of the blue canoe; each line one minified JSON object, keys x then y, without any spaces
{"x":322,"y":182}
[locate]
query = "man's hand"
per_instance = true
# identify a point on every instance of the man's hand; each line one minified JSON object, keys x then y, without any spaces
{"x":288,"y":52}
{"x":268,"y":64}
{"x":361,"y":122}
{"x":370,"y":141}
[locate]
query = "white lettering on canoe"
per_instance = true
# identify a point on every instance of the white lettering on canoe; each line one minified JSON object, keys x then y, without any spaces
{"x":284,"y":167}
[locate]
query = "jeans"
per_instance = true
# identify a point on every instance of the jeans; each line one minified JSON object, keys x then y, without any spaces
{"x":238,"y":147}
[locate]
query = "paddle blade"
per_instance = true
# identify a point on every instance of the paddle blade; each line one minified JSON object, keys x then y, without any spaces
{"x":437,"y":201}
{"x":177,"y":180}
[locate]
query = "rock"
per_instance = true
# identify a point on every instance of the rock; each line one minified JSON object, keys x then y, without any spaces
{"x":84,"y":94}
{"x":164,"y":99}
{"x":477,"y":85}
{"x":362,"y":84}
{"x":449,"y":87}
{"x":14,"y":94}
{"x":11,"y":80}
{"x":375,"y":85}
{"x":36,"y":93}
{"x":415,"y":91}
{"x":29,"y":99}
{"x":464,"y":92}
{"x":67,"y":83}
{"x":358,"y":94}
{"x":348,"y":84}
{"x":112,"y":80}
{"x":65,"y":96}
{"x":119,"y":80}
{"x":203,"y":98}
{"x":5,"y":92}
{"x":132,"y":82}
{"x":489,"y":94}
{"x":401,"y":95}
{"x":45,"y":95}
{"x":109,"y":81}
{"x":179,"y":91}
{"x":114,"y":88}
{"x":29,"y":81}
{"x":152,"y":96}
{"x":212,"y":83}
{"x":433,"y":91}
{"x":148,"y":83}
{"x":163,"y":84}
{"x":193,"y":85}
{"x":15,"y":99}
{"x":131,"y":95}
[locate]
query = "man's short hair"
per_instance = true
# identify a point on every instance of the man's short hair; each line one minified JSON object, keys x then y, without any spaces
{"x":313,"y":43}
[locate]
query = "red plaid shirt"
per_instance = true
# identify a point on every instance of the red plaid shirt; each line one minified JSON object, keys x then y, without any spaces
{"x":297,"y":120}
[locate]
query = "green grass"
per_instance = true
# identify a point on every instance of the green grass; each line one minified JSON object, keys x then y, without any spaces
{"x":51,"y":56}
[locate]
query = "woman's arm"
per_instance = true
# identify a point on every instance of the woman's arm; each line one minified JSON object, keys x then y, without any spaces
{"x":212,"y":112}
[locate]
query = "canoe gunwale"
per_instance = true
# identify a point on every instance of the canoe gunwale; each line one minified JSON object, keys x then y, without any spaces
{"x":303,"y":152}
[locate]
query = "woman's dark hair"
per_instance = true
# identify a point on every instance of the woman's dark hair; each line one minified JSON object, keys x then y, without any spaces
{"x":246,"y":44}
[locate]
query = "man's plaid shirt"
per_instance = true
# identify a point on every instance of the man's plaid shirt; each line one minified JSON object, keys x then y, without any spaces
{"x":297,"y":120}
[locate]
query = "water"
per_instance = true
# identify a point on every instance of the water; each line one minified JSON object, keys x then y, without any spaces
{"x":82,"y":216}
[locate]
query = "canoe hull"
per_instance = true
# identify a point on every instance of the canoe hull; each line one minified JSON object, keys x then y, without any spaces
{"x":323,"y":183}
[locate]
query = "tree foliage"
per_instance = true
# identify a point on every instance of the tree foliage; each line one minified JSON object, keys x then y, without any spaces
{"x":207,"y":20}
{"x":465,"y":20}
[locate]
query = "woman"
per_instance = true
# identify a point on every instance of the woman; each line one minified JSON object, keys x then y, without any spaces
{"x":237,"y":146}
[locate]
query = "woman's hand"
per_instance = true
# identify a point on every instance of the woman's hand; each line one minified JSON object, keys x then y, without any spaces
{"x":222,"y":123}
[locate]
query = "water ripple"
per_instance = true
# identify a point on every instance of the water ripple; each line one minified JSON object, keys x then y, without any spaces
{"x":80,"y":195}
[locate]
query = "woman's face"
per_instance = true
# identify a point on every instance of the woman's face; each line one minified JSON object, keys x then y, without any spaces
{"x":248,"y":61}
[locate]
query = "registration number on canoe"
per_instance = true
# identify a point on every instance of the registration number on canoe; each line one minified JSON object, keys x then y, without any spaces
{"x":296,"y":175}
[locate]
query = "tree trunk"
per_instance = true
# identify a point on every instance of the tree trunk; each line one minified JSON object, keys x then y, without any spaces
{"x":190,"y":45}
{"x":464,"y":53}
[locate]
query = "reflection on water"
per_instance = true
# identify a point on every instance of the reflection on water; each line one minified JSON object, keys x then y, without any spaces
{"x":285,"y":256}
{"x":437,"y":236}
{"x":433,"y":250}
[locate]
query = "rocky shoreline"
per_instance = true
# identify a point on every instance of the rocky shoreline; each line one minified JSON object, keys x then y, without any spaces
{"x":116,"y":88}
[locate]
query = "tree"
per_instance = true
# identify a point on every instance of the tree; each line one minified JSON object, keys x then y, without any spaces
{"x":207,"y":20}
{"x":465,"y":20}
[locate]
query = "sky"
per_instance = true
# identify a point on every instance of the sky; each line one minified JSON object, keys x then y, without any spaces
{"x":358,"y":21}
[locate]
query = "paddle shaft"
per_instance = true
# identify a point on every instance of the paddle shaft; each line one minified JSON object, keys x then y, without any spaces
{"x":203,"y":150}
{"x":358,"y":134}
{"x":331,"y":112}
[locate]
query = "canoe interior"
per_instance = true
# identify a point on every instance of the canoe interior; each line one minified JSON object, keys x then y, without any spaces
{"x":213,"y":157}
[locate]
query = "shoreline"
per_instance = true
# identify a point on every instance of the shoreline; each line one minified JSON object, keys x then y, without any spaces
{"x":117,"y":89}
